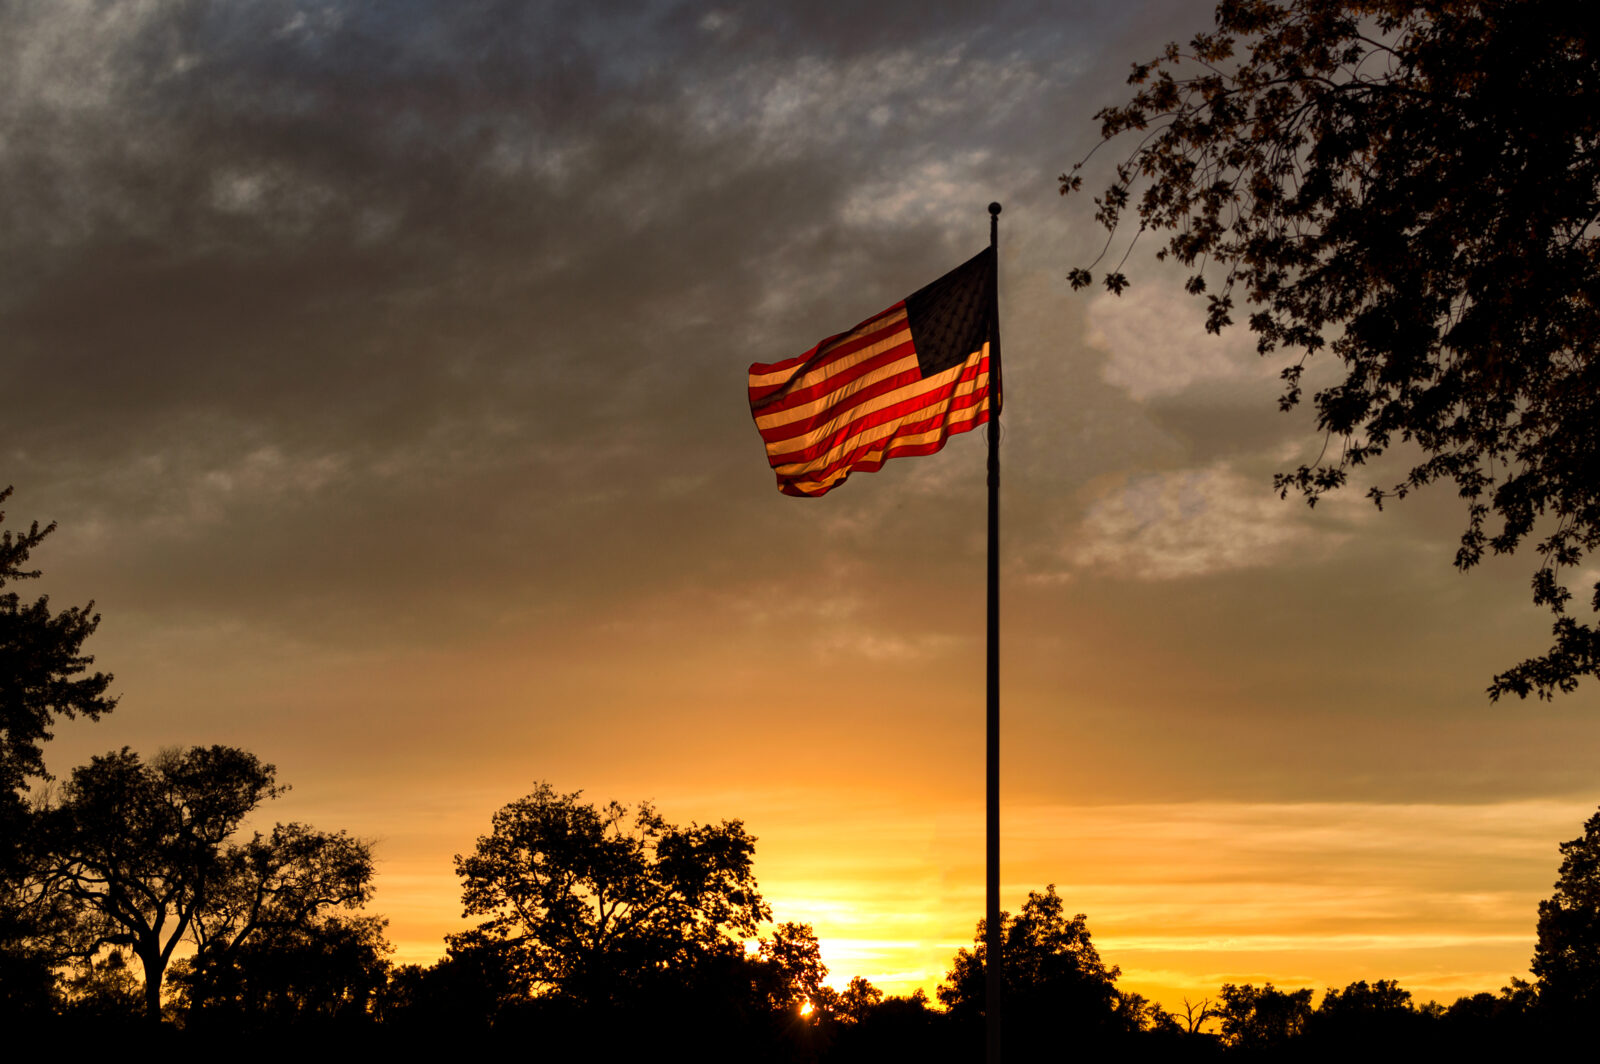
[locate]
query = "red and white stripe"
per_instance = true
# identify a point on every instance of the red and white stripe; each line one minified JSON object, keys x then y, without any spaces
{"x":858,"y":399}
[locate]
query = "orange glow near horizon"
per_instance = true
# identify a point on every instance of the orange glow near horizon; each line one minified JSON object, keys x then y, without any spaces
{"x":865,"y":805}
{"x":1182,"y":898}
{"x":871,"y":846}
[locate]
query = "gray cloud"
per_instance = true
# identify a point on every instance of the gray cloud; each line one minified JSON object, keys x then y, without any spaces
{"x":284,"y":273}
{"x":408,"y":322}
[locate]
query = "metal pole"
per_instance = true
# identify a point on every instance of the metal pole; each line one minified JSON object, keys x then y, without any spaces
{"x":993,"y":944}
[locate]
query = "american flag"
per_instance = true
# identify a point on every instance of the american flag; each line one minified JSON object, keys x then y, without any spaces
{"x":900,"y":383}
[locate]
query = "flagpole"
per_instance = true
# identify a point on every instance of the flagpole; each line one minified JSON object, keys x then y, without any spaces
{"x":993,"y":943}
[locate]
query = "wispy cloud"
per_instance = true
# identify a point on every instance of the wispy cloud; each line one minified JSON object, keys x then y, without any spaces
{"x":1156,"y":344}
{"x":1195,"y":522}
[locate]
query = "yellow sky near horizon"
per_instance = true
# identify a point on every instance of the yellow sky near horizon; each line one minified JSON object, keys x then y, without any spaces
{"x":1183,"y":897}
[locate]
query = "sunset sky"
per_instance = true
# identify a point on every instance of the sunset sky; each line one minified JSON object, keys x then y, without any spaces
{"x":384,"y":367}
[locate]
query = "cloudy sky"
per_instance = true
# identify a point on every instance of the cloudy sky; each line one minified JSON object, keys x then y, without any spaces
{"x":383,"y":366}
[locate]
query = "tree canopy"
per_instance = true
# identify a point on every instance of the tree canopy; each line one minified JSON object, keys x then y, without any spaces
{"x":44,"y":675}
{"x":146,"y":851}
{"x":43,"y":670}
{"x":324,"y":969}
{"x":587,"y":900}
{"x":1566,"y":959}
{"x":1054,"y":977}
{"x":1412,"y":188}
{"x":1263,"y":1018}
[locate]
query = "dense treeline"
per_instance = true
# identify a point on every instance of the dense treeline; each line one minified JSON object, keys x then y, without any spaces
{"x":613,"y":931}
{"x":131,"y":900}
{"x":331,"y":978}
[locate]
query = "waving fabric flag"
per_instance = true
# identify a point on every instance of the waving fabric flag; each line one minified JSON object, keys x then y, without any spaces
{"x":900,"y":383}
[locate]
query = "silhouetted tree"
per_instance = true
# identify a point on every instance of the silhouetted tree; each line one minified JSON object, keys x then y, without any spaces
{"x":1263,"y":1019}
{"x":1195,"y":1015}
{"x":1135,"y":1012}
{"x":1489,"y":1026}
{"x":43,"y":670}
{"x":467,"y":990}
{"x":858,"y":999}
{"x":1056,"y":985}
{"x":901,"y":1027}
{"x":792,"y":972}
{"x":102,"y":991}
{"x":40,"y":929}
{"x":331,"y":969}
{"x":1361,"y":999}
{"x":1519,"y":996}
{"x":1412,"y":186}
{"x":593,"y":903}
{"x":44,"y":675}
{"x":1477,"y":1009}
{"x":1365,"y":1018}
{"x":145,"y":850}
{"x":1566,"y":958}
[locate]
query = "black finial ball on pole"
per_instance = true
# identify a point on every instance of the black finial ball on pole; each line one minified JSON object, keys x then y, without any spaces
{"x":994,"y":208}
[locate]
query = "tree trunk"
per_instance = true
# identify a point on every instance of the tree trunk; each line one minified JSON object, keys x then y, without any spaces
{"x":154,"y":968}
